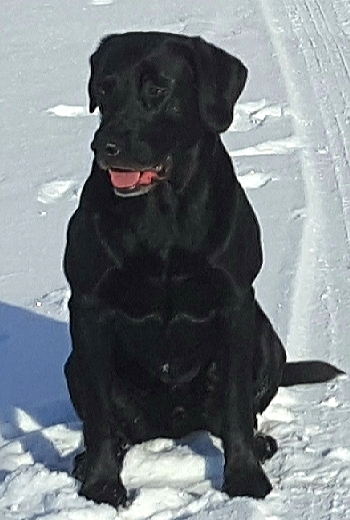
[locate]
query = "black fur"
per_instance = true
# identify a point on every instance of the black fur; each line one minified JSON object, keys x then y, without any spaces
{"x":167,"y":335}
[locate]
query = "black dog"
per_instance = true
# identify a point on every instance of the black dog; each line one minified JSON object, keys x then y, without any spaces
{"x":161,"y":256}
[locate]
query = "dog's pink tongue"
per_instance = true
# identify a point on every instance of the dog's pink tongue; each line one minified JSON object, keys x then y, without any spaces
{"x":124,"y":179}
{"x":147,"y":177}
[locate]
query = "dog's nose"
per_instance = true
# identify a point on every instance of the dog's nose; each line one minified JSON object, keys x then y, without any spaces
{"x":112,"y":149}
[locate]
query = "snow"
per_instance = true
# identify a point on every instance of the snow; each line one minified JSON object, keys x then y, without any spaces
{"x":290,"y":142}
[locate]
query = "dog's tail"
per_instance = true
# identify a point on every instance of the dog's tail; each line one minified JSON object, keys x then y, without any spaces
{"x":303,"y":372}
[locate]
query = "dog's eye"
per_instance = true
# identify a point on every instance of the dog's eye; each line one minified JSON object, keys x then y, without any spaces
{"x":153,"y":92}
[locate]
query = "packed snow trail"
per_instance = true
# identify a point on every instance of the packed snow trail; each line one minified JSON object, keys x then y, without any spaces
{"x":290,"y":142}
{"x":316,"y":69}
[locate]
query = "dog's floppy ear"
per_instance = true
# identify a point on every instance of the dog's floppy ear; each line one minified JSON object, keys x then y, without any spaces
{"x":97,"y":62}
{"x":92,"y":98}
{"x":221,"y":79}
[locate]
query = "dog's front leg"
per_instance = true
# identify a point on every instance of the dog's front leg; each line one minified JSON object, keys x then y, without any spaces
{"x":90,"y":377}
{"x":243,"y":474}
{"x":103,"y":464}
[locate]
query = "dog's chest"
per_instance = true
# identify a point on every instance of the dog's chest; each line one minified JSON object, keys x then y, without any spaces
{"x":147,"y":288}
{"x":158,"y":226}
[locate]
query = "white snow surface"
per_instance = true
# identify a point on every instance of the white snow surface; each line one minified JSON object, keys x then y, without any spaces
{"x":290,"y":142}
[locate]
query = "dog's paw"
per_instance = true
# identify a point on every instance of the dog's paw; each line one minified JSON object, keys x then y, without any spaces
{"x":264,"y":446}
{"x":110,"y":492}
{"x":248,"y":481}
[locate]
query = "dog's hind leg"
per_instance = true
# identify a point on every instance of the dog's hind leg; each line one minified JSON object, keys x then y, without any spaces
{"x":269,"y":361}
{"x":79,"y":470}
{"x":74,"y":374}
{"x":264,"y":446}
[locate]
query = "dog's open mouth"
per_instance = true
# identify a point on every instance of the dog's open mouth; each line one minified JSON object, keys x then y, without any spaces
{"x":128,"y":182}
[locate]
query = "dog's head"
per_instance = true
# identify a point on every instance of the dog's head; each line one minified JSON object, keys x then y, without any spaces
{"x":157,"y":94}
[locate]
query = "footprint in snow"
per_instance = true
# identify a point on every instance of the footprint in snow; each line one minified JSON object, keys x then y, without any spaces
{"x":253,"y":180}
{"x":68,"y":111}
{"x":54,"y":303}
{"x":101,"y":2}
{"x":255,"y":113}
{"x":52,"y":191}
{"x":340,"y":454}
{"x":270,"y":147}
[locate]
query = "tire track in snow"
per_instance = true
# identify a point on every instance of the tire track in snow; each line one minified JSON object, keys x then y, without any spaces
{"x":318,"y":108}
{"x":336,"y":113}
{"x":316,"y":72}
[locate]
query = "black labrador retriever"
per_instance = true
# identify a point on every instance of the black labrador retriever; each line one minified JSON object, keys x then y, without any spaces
{"x":161,"y":256}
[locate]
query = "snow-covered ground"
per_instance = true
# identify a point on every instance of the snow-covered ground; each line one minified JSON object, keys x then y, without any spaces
{"x":290,"y":142}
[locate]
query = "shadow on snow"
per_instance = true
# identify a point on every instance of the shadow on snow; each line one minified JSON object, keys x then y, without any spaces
{"x":34,"y":395}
